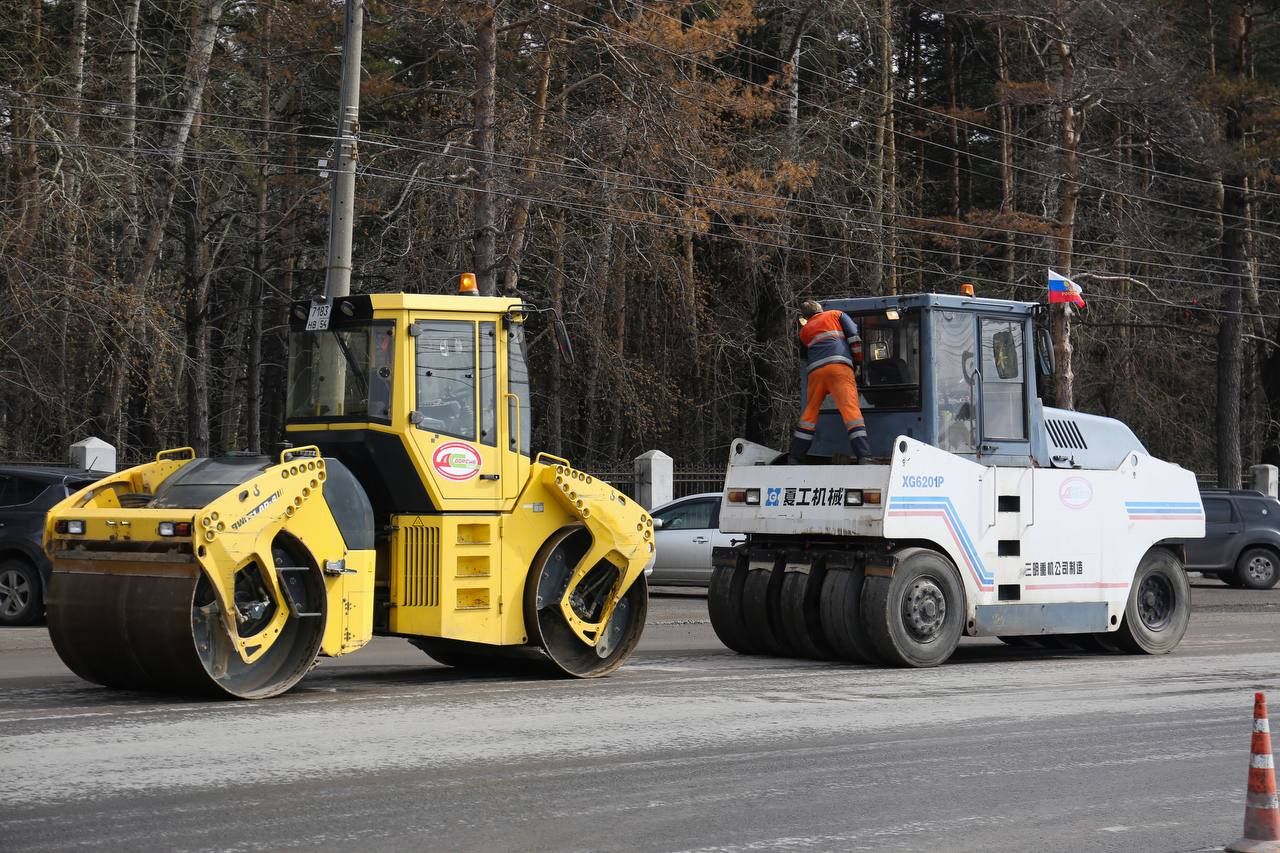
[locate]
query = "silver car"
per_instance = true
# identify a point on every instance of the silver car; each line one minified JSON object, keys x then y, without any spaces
{"x":686,"y":531}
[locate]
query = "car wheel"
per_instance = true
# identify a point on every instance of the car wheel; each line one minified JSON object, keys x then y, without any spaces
{"x":1258,"y":569}
{"x":20,"y":598}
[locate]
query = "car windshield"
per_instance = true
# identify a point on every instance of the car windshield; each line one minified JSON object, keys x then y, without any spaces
{"x":344,"y":372}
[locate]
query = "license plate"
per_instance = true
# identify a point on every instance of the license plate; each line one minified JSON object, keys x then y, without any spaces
{"x":318,"y":318}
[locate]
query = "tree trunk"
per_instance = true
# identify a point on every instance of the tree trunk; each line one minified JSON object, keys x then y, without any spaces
{"x":194,"y":79}
{"x":253,"y":370}
{"x":555,"y":402}
{"x":1233,"y":249}
{"x":884,"y":272}
{"x":197,"y":324}
{"x":484,"y":104}
{"x":520,"y":215}
{"x":1069,"y":194}
{"x":1008,"y":201}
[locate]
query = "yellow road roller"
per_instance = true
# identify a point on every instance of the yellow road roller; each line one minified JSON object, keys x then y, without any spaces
{"x":406,"y":504}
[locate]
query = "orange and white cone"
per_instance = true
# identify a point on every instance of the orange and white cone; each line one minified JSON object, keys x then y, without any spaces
{"x":1261,"y":808}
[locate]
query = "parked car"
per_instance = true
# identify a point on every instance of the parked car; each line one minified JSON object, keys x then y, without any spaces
{"x":686,"y":531}
{"x":26,"y":494}
{"x":1241,"y":543}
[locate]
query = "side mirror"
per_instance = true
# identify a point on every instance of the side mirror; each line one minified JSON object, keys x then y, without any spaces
{"x":1044,"y":352}
{"x":657,"y":524}
{"x":563,"y":344}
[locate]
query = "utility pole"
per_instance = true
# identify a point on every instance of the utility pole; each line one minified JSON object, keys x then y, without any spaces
{"x":337,"y":280}
{"x":332,"y":374}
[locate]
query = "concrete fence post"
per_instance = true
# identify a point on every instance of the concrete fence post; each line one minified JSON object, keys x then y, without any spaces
{"x":655,"y":478}
{"x":93,"y":454}
{"x":1265,"y":479}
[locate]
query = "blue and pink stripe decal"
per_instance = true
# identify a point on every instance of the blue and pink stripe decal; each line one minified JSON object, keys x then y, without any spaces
{"x":926,"y":506}
{"x":1164,"y":510}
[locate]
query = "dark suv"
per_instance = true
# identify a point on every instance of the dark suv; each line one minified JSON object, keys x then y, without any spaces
{"x":1241,"y":543}
{"x":26,"y":494}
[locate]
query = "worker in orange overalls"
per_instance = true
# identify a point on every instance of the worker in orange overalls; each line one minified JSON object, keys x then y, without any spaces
{"x":831,"y":345}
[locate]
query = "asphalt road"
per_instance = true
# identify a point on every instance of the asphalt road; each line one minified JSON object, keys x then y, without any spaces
{"x":687,"y":748}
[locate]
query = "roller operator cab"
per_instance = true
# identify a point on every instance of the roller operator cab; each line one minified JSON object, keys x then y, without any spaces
{"x":409,"y":505}
{"x":982,"y":513}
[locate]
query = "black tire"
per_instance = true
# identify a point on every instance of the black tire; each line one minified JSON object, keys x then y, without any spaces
{"x":1100,"y":643}
{"x":916,"y":616}
{"x":1258,"y":568}
{"x":21,"y":592}
{"x":724,"y":606}
{"x":800,"y":613}
{"x":1159,"y":606}
{"x":1063,"y":642}
{"x":842,"y":625}
{"x":478,"y":659}
{"x":760,"y":605}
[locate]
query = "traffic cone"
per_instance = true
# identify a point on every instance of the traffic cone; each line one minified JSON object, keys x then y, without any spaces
{"x":1261,"y":807}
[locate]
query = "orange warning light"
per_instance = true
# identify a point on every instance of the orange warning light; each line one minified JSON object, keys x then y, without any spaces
{"x":467,"y":285}
{"x":966,"y":289}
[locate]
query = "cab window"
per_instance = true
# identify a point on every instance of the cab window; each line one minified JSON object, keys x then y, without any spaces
{"x":1003,"y":398}
{"x":445,"y":372}
{"x":518,"y":411}
{"x":489,"y":384}
{"x":890,"y":360}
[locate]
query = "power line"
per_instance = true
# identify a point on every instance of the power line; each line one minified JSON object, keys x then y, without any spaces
{"x":416,"y":145}
{"x":938,"y":113}
{"x":900,"y":133}
{"x":681,"y":225}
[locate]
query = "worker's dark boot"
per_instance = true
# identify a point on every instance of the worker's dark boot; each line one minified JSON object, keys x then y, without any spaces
{"x":799,"y":447}
{"x":861,"y":447}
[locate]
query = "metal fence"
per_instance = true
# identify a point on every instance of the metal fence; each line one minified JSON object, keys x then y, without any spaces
{"x":685,"y":482}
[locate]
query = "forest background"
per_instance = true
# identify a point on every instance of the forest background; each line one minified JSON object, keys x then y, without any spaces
{"x":672,"y":176}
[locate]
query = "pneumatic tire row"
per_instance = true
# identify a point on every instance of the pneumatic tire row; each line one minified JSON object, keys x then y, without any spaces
{"x":913,"y":614}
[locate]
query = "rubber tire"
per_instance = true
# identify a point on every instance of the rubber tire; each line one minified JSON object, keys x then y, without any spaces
{"x":33,"y":608}
{"x":882,"y":599}
{"x":800,"y":613}
{"x":1063,"y":642}
{"x":760,"y":606}
{"x":724,"y":607}
{"x":1242,"y":568}
{"x":1135,"y":637}
{"x":1106,"y":642}
{"x":842,"y":624}
{"x":1089,"y":643}
{"x":456,"y":655}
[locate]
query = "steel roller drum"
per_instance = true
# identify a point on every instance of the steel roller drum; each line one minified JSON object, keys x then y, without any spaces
{"x":157,"y":627}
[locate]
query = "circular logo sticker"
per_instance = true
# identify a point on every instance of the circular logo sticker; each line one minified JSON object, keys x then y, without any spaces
{"x":1075,"y":493}
{"x":456,"y":461}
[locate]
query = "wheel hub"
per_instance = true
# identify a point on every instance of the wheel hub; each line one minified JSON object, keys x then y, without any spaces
{"x":1260,"y":569}
{"x":924,"y":609}
{"x":1155,"y":602}
{"x":15,"y":593}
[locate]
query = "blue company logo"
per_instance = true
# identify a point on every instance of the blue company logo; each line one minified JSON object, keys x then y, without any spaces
{"x":773,"y":497}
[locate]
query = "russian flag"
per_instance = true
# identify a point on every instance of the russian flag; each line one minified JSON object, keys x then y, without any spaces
{"x":1063,"y":289}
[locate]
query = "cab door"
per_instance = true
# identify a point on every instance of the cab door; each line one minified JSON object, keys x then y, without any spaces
{"x":455,"y":411}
